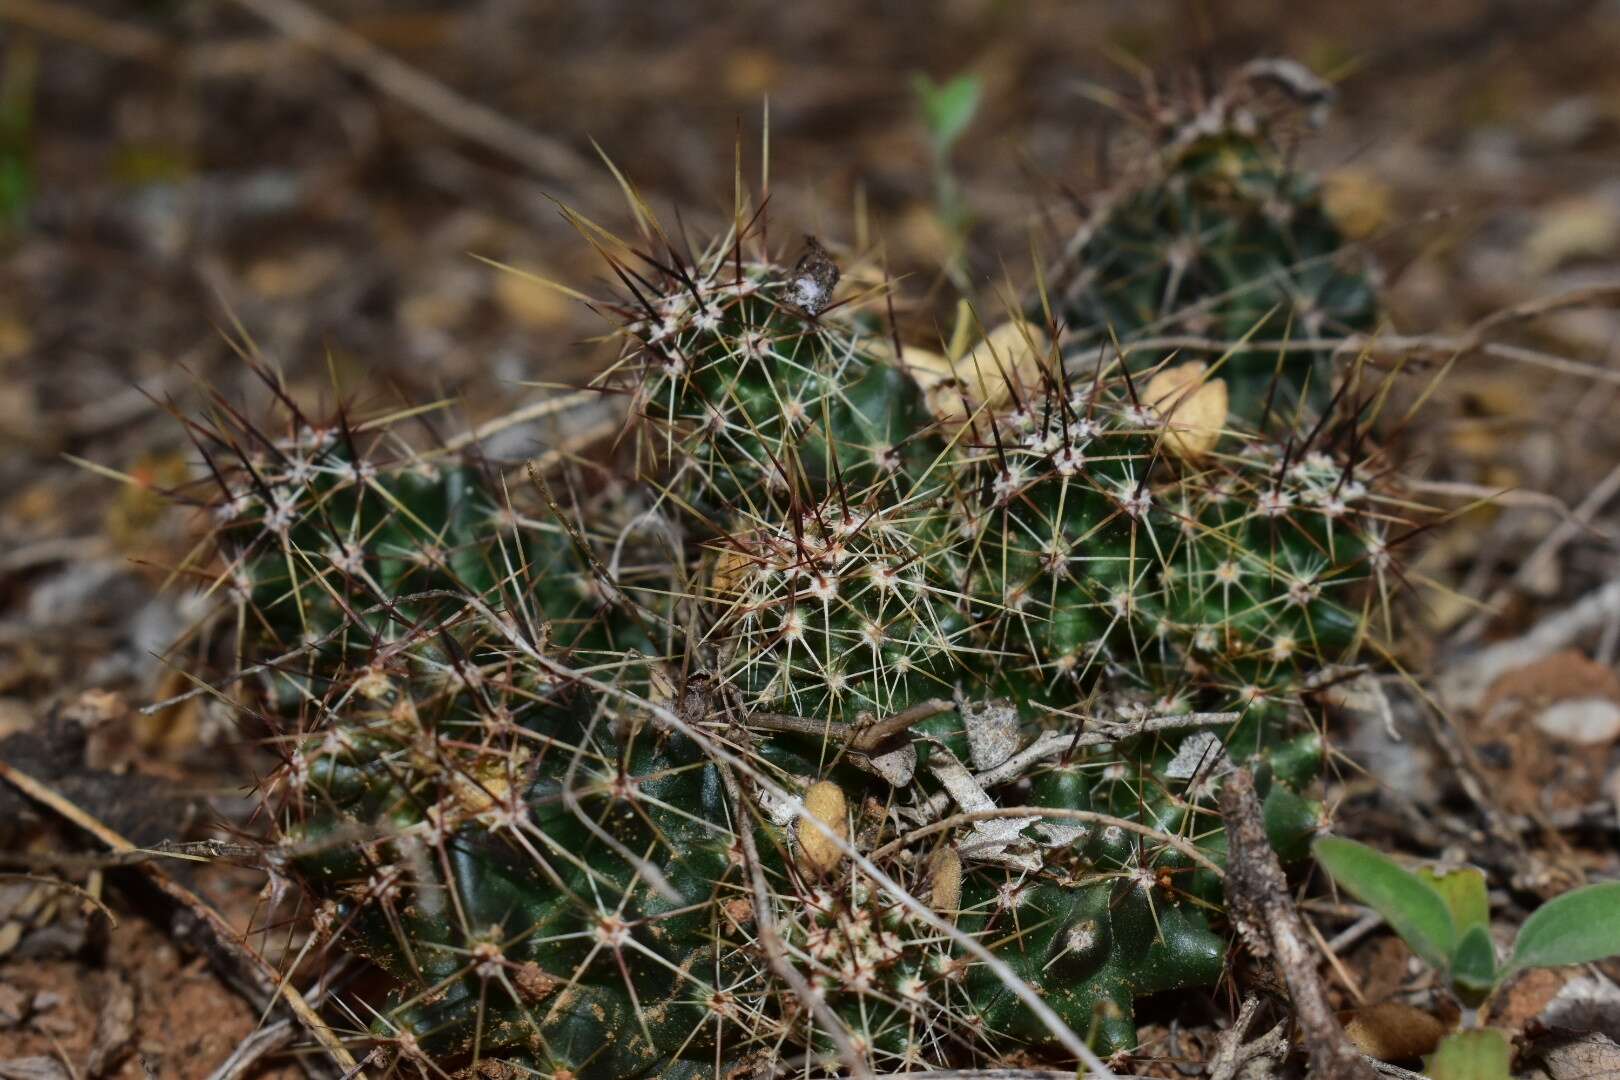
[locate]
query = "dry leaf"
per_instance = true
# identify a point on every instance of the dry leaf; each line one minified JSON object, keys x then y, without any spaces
{"x":1585,"y":722}
{"x":992,"y":732}
{"x":1008,"y":364}
{"x":14,"y":1005}
{"x":115,"y":1028}
{"x":1583,"y":226}
{"x":1394,"y":1031}
{"x":33,"y":1068}
{"x":897,"y":766}
{"x":731,"y":568}
{"x":1358,"y":201}
{"x":1585,"y":1003}
{"x":1584,"y":1057}
{"x":936,"y":375}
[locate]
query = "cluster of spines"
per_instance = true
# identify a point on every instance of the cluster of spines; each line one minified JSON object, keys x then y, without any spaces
{"x":749,"y":402}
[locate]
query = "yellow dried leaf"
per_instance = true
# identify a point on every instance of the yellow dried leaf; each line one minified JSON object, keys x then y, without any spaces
{"x":936,"y":375}
{"x":1579,"y":227}
{"x":1009,"y":362}
{"x":1194,"y":408}
{"x":825,"y":802}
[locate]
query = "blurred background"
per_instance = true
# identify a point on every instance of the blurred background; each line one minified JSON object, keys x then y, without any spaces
{"x":318,"y":175}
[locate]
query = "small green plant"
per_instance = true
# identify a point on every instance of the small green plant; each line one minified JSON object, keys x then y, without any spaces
{"x":947,"y":109}
{"x":17,"y":78}
{"x":1445,"y":919}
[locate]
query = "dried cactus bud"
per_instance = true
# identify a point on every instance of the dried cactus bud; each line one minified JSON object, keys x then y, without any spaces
{"x":1194,"y":408}
{"x":815,"y":276}
{"x":824,"y":801}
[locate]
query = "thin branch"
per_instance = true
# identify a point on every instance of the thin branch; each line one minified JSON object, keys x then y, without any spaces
{"x":1056,"y":812}
{"x":248,"y":964}
{"x":770,"y":939}
{"x":251,"y":1051}
{"x":1263,"y":911}
{"x":66,"y":886}
{"x":71,"y":22}
{"x":1577,"y":522}
{"x":861,"y":738}
{"x":477,"y":123}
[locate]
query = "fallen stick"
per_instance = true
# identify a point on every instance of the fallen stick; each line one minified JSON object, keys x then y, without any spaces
{"x":1258,"y":899}
{"x":547,"y":157}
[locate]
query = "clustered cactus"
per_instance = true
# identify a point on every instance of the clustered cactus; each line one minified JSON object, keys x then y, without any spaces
{"x":1217,"y":235}
{"x":702,"y":771}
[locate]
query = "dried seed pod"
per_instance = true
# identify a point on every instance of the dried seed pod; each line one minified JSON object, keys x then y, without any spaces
{"x":824,"y":801}
{"x":945,"y":895}
{"x":1194,"y":408}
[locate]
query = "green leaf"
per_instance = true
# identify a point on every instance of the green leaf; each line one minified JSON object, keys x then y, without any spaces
{"x":1480,"y":1054}
{"x":1576,"y":928}
{"x":1413,"y":910}
{"x":1473,"y":967}
{"x":947,"y":109}
{"x":1463,"y":890}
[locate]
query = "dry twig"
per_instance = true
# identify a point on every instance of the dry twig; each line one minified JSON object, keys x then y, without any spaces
{"x":1237,"y":1052}
{"x":1263,"y":911}
{"x":470,"y":120}
{"x":71,"y":23}
{"x":1056,"y":813}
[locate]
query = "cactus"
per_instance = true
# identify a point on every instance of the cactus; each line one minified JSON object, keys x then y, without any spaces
{"x":1218,"y":235}
{"x":747,"y":396}
{"x":585,"y":781}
